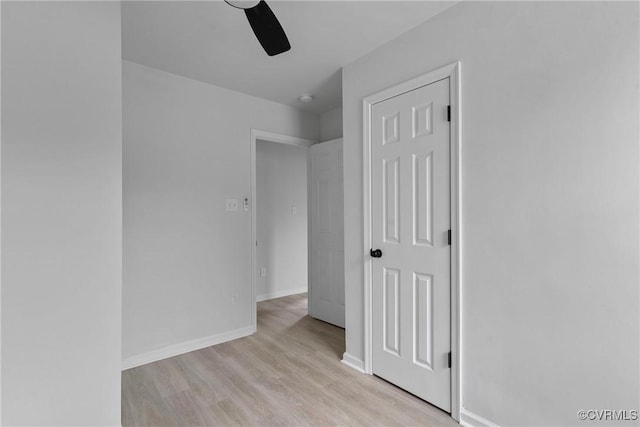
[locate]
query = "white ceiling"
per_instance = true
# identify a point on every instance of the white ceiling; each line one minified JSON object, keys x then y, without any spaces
{"x":212,"y":42}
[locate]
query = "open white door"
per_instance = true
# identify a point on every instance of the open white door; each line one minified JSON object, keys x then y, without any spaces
{"x":326,"y":243}
{"x":411,"y":277}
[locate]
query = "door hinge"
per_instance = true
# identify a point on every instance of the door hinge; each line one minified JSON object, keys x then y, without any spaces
{"x":448,"y":113}
{"x":449,"y":357}
{"x":449,"y":237}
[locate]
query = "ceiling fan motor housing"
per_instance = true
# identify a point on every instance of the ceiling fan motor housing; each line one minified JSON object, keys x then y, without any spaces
{"x":243,"y":4}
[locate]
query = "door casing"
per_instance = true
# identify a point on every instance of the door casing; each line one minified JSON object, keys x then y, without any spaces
{"x":452,"y":71}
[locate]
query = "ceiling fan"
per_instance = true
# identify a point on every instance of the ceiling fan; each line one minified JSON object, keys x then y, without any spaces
{"x":264,"y":24}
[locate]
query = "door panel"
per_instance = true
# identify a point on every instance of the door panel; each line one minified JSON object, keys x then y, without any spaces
{"x":391,"y":311}
{"x":410,"y":219}
{"x":423,"y":320}
{"x":391,"y":200}
{"x":423,"y":199}
{"x":326,"y":260}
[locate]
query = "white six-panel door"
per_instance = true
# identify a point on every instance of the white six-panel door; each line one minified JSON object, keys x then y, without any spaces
{"x":326,"y":252}
{"x":410,"y":313}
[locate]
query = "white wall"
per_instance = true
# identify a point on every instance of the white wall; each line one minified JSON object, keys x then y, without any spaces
{"x":550,"y":193}
{"x":281,"y":171}
{"x":61,"y":213}
{"x":331,"y":124}
{"x":187,"y":262}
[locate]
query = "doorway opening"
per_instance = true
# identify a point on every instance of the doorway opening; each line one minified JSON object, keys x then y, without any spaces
{"x":281,"y":211}
{"x":279,"y":218}
{"x":297,"y":234}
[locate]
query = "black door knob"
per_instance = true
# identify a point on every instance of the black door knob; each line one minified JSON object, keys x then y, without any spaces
{"x":375,"y":253}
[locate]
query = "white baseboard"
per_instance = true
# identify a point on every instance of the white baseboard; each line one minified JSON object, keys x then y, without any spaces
{"x":469,"y":419}
{"x":353,"y":362}
{"x":185,"y":347}
{"x":280,"y":294}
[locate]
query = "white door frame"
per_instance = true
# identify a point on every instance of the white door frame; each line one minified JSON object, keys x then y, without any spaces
{"x":451,"y":71}
{"x":263,"y":135}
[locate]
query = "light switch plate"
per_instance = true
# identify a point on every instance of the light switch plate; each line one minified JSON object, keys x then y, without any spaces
{"x":232,"y":205}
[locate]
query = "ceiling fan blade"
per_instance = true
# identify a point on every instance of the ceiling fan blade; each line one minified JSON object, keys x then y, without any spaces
{"x":267,"y":29}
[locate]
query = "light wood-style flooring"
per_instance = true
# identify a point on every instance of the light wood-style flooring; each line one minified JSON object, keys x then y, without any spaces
{"x":287,"y":374}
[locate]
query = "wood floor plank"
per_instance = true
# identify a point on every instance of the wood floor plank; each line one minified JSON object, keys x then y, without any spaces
{"x":287,"y":374}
